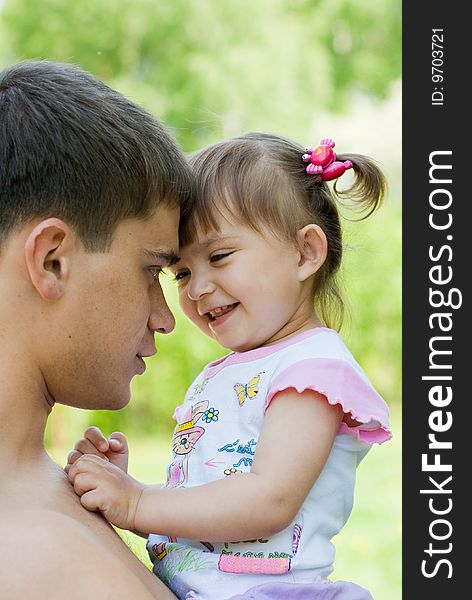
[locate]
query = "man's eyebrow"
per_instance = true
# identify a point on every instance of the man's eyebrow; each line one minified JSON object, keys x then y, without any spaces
{"x":167,"y":257}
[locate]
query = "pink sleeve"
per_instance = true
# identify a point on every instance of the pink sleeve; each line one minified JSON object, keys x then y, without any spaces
{"x":341,"y":384}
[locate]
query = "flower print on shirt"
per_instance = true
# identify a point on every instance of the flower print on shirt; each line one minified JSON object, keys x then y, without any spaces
{"x":211,"y":415}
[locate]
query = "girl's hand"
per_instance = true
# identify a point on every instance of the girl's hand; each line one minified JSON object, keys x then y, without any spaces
{"x":114,"y":449}
{"x":105,"y":487}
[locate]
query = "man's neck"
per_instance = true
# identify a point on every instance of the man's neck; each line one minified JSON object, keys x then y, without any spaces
{"x":24,"y":409}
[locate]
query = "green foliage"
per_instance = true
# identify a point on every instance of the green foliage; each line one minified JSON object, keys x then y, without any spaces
{"x":362,"y":43}
{"x":371,"y":278}
{"x":213,"y":69}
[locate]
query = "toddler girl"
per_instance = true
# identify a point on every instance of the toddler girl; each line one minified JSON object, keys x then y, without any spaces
{"x":268,"y":438}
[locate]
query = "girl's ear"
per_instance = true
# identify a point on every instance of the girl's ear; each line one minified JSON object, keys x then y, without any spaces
{"x":47,"y":256}
{"x":313,"y":248}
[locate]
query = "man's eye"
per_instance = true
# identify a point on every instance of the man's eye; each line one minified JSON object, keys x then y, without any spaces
{"x":220,"y":256}
{"x":155,"y":272}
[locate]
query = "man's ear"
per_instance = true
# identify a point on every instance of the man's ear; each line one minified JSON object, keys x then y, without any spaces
{"x":47,"y":256}
{"x":313,"y":248}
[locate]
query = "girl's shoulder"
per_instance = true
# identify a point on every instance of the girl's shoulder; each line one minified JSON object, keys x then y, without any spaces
{"x":321,"y":342}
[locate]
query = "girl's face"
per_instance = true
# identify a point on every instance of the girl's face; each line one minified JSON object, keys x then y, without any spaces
{"x":242,"y":288}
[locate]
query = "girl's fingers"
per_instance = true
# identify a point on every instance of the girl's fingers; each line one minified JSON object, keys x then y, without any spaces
{"x":83,"y":483}
{"x":89,"y":500}
{"x":115,"y":445}
{"x":87,"y":464}
{"x":96,"y":438}
{"x":85,"y":446}
{"x":73,"y":456}
{"x":118,"y":443}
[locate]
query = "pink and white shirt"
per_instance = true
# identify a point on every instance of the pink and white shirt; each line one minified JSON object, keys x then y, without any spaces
{"x":216,"y":435}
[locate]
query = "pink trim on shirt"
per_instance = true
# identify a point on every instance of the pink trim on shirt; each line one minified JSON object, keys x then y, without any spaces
{"x":251,"y":564}
{"x":235,"y":358}
{"x":341,"y":384}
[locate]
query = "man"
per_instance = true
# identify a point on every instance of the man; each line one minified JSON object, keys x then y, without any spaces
{"x":90,"y":192}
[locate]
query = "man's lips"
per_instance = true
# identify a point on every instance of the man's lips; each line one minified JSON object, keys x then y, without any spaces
{"x":140,"y":365}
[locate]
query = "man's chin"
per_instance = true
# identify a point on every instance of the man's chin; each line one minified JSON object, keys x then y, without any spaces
{"x":118,"y":405}
{"x":118,"y":402}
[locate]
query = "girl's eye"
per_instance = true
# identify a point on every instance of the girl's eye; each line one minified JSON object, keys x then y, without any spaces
{"x":181,"y":275}
{"x":220,"y":256}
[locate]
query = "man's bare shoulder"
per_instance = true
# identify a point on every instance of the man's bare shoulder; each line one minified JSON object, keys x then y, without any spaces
{"x":50,"y":555}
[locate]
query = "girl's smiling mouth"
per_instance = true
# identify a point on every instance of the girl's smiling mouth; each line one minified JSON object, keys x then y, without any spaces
{"x":219,"y":315}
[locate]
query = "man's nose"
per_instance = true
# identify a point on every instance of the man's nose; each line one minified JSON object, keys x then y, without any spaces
{"x":161,"y":318}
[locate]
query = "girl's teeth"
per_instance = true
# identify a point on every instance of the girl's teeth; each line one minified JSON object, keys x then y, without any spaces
{"x":219,"y":310}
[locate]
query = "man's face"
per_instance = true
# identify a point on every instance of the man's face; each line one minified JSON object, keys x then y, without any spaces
{"x":112,"y":307}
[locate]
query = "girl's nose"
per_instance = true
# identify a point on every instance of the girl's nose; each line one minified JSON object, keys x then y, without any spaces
{"x":199,"y":287}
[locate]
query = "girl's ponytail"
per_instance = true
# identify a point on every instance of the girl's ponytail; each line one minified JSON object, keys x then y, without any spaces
{"x":369,"y":188}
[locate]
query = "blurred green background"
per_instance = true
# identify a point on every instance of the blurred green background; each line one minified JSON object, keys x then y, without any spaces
{"x":212,"y":69}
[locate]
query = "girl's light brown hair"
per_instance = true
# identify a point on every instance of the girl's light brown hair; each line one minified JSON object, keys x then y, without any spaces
{"x":260,"y":180}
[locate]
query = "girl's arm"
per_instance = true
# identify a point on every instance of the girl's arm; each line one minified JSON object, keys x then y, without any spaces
{"x":297,"y":436}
